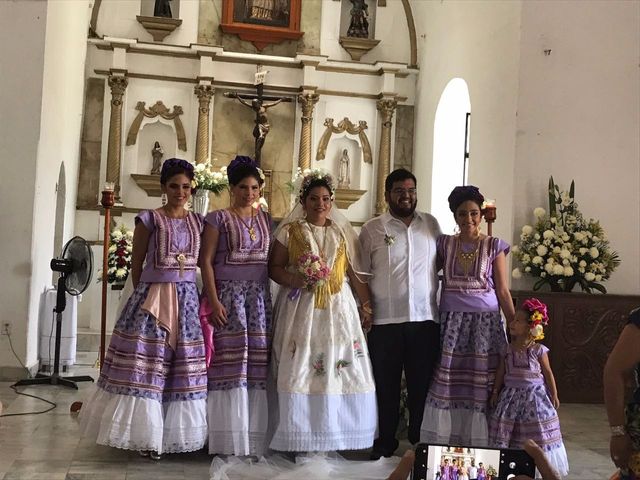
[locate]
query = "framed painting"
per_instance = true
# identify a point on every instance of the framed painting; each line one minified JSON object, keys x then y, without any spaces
{"x":262,"y":22}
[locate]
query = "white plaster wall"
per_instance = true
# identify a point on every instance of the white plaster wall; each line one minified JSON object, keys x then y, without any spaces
{"x":390,"y":27}
{"x":117,"y":18}
{"x":60,"y":126}
{"x":579,"y":118}
{"x":478,"y":42}
{"x":22,"y":34}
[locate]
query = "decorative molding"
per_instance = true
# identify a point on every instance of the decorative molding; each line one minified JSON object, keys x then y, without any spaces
{"x":204,"y":93}
{"x":159,"y":27}
{"x":413,"y":41}
{"x":148,"y":183}
{"x":307,"y":102}
{"x":345,"y":197}
{"x":357,"y":47}
{"x":158,"y":109}
{"x":345,"y":125}
{"x":386,"y":107}
{"x":262,"y":34}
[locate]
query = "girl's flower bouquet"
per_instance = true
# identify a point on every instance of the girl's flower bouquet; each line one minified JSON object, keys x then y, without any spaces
{"x":563,"y":249}
{"x":205,"y":178}
{"x":119,"y":259}
{"x":314,"y":270}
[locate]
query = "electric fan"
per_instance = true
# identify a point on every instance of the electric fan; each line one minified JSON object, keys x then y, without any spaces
{"x":75,"y":267}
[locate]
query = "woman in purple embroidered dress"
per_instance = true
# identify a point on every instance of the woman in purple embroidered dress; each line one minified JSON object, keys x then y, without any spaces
{"x":472,"y":334}
{"x":233,"y":260}
{"x":152,"y":390}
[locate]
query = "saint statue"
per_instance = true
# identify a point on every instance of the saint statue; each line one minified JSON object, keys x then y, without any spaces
{"x":156,"y":154}
{"x":162,"y":8}
{"x":359,"y":26}
{"x":344,"y":179}
{"x":262,"y":9}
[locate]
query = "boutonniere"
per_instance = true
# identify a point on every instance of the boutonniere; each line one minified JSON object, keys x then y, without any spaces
{"x":389,"y":239}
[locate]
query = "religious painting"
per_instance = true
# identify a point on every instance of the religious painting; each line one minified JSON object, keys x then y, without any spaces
{"x":274,"y":13}
{"x":262,"y":22}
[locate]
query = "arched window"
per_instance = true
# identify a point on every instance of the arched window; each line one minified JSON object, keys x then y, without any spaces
{"x":450,"y":149}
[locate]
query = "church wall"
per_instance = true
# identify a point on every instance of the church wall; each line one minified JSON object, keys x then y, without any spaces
{"x":22,"y":34}
{"x":117,"y":18}
{"x":61,"y":123}
{"x":478,"y":42}
{"x":45,"y":134}
{"x":579,"y":118}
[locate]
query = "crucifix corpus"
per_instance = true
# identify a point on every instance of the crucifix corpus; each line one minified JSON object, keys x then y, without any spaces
{"x":259,"y":103}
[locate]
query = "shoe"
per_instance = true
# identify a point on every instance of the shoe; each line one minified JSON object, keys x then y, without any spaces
{"x":155,"y":455}
{"x":376,"y":455}
{"x":143,"y":453}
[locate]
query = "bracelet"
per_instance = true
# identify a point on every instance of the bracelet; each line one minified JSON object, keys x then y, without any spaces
{"x":618,"y":430}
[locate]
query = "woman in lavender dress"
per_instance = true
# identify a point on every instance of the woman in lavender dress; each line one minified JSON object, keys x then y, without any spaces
{"x":152,"y":390}
{"x":472,"y":337}
{"x":233,"y":260}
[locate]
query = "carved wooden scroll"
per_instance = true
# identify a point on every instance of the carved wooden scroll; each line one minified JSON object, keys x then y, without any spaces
{"x":345,"y":125}
{"x":158,"y":109}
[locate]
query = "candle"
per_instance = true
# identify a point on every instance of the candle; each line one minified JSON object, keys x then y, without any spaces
{"x":109,"y":186}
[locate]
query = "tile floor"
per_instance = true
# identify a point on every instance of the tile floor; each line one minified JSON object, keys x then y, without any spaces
{"x":47,"y":447}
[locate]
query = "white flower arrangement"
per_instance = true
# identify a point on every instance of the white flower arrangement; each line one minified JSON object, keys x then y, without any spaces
{"x":119,"y":259}
{"x":563,"y":249}
{"x":205,"y":178}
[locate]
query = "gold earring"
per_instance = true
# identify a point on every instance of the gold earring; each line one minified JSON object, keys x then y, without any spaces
{"x":163,"y":199}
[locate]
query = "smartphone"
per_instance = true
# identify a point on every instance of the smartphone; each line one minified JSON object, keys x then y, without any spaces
{"x":435,"y":462}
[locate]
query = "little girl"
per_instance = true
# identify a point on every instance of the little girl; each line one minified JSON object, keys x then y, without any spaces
{"x":526,"y":407}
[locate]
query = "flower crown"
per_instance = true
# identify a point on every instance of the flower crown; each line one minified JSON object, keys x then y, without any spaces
{"x":538,"y":318}
{"x":306,"y":176}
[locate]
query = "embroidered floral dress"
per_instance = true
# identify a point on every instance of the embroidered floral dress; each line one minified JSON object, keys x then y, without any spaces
{"x":524,"y":410}
{"x":325,"y":389}
{"x":472,"y":340}
{"x":152,"y":390}
{"x":237,"y":403}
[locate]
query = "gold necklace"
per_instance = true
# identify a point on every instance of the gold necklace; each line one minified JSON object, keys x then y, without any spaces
{"x":250,"y":228}
{"x":324,"y":240}
{"x":466,"y":259}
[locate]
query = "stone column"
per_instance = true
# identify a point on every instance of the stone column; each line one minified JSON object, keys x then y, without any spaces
{"x":307,"y":102}
{"x":204,"y":92}
{"x":118,"y":84}
{"x":386,"y":107}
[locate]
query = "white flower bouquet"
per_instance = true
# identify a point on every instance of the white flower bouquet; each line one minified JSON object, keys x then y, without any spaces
{"x":205,"y":178}
{"x":563,"y":249}
{"x":119,"y":259}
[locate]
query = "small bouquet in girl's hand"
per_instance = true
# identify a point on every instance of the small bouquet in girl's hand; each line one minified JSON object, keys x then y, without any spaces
{"x":314,"y":271}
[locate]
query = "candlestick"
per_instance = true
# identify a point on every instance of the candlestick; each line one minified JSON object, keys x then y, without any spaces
{"x":109,"y":186}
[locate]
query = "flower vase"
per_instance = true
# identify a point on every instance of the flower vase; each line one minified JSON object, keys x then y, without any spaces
{"x":200,"y":201}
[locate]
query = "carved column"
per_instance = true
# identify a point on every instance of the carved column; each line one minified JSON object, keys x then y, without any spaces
{"x":118,"y":84}
{"x":307,"y":102}
{"x":386,"y":107}
{"x":204,"y":93}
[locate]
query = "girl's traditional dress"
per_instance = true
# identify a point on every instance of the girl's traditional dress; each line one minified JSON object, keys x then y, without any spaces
{"x":524,"y":410}
{"x":237,"y":403}
{"x":325,"y":390}
{"x":446,"y":472}
{"x":472,"y":338}
{"x":482,"y":473}
{"x":152,"y":389}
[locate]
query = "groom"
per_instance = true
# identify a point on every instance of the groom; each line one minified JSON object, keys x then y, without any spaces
{"x":399,"y":247}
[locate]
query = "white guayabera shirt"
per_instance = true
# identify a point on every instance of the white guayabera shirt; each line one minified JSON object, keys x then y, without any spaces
{"x":402,"y":260}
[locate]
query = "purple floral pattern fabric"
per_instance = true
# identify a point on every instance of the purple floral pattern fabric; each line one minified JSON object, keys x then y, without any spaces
{"x":140,"y":363}
{"x":242,"y":346}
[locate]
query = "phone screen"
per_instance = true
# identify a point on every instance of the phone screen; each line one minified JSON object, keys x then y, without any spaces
{"x":444,"y":462}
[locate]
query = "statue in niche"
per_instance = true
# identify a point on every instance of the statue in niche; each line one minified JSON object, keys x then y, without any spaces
{"x":162,"y":8}
{"x":344,"y":178}
{"x":359,"y":26}
{"x":156,"y":154}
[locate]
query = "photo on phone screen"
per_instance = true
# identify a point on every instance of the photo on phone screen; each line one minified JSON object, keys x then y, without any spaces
{"x":444,"y":462}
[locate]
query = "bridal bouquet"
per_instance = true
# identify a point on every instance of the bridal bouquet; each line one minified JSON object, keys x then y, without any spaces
{"x":563,"y":249}
{"x":314,"y":270}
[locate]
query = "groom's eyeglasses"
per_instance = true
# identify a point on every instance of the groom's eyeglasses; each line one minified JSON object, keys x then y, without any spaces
{"x":401,"y":191}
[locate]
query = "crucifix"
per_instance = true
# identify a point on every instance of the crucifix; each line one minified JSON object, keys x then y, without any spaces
{"x":259,"y":104}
